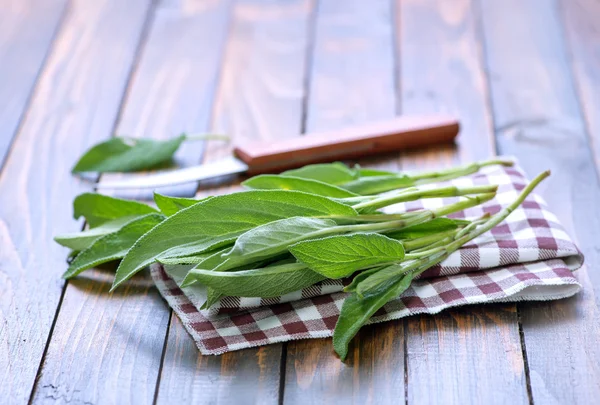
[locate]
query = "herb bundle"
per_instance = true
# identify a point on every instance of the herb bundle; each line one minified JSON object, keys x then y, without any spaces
{"x":290,"y":231}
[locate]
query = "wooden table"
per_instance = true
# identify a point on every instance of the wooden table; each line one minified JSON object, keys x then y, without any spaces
{"x":523,"y":76}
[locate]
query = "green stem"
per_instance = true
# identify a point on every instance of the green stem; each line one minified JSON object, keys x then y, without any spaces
{"x":449,"y":191}
{"x":415,"y":217}
{"x":449,"y":174}
{"x":473,"y":225}
{"x":425,"y":241}
{"x":501,"y":216}
{"x":369,"y":218}
{"x":470,"y":201}
{"x":441,"y":242}
{"x":374,"y":281}
{"x":437,"y":255}
{"x":418,"y":179}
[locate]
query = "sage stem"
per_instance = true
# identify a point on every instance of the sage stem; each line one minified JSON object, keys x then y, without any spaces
{"x":437,"y":255}
{"x":449,"y":191}
{"x":449,"y":174}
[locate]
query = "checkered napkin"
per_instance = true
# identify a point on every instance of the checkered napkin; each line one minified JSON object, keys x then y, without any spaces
{"x":527,"y":257}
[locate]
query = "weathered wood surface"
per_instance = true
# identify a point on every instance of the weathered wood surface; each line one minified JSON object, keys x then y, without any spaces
{"x":27,"y":28}
{"x":171,"y":92}
{"x":74,"y":72}
{"x":353,"y":49}
{"x":581,"y":22}
{"x":260,"y":96}
{"x":441,"y":70}
{"x":74,"y":105}
{"x":539,"y":119}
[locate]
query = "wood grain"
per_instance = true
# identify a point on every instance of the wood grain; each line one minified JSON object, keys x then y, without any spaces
{"x":27,"y":28}
{"x":260,"y":96}
{"x":472,"y":354}
{"x":75,"y":104}
{"x":538,"y":119}
{"x":351,"y":82}
{"x":540,"y":58}
{"x":581,"y":20}
{"x":171,"y":93}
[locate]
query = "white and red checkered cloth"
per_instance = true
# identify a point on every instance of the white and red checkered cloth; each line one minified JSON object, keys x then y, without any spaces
{"x":527,"y":257}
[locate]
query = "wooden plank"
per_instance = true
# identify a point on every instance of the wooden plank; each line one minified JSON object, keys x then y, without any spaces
{"x":478,"y":347}
{"x":538,"y":118}
{"x":351,"y":82}
{"x":27,"y":28}
{"x":171,"y":93}
{"x":260,"y":96}
{"x":581,"y":19}
{"x":75,"y":104}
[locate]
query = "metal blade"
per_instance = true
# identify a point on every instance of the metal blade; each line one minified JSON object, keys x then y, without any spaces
{"x":222,"y":167}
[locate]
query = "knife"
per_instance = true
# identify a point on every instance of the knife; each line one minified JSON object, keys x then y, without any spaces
{"x":404,"y":132}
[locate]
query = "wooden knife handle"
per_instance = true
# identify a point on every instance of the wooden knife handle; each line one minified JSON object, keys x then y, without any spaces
{"x":381,"y":137}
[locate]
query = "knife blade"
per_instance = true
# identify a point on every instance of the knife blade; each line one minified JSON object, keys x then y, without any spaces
{"x":401,"y":133}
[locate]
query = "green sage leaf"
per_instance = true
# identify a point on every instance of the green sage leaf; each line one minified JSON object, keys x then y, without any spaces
{"x":341,"y":255}
{"x":365,"y":172}
{"x":363,"y":275}
{"x":369,"y":185}
{"x":185,"y":260}
{"x":82,"y":240}
{"x":171,"y":205}
{"x":272,"y":239}
{"x":124,"y":154}
{"x":218,"y":221}
{"x":112,"y":246}
{"x":375,"y":281}
{"x":356,"y":312}
{"x":283,"y":182}
{"x":331,"y":173}
{"x":98,"y":208}
{"x":265,"y":282}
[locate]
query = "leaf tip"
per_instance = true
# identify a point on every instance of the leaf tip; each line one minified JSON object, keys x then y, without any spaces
{"x":188,"y":280}
{"x":341,"y":349}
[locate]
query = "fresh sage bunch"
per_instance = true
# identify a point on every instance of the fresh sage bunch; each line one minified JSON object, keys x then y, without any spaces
{"x":125,"y":154}
{"x":290,"y":231}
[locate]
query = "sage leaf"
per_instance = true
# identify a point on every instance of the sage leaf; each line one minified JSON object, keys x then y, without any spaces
{"x":214,"y":259}
{"x":265,"y":282}
{"x":217,"y":221}
{"x":284,"y":182}
{"x":341,"y":255}
{"x":112,"y":246}
{"x":331,"y":173}
{"x":360,"y":277}
{"x":272,"y":239}
{"x":356,"y":312}
{"x":124,"y":154}
{"x":98,"y":208}
{"x":268,"y":241}
{"x":82,"y":240}
{"x":372,"y":172}
{"x":171,"y":205}
{"x":185,"y":260}
{"x":374,"y":281}
{"x":369,"y":185}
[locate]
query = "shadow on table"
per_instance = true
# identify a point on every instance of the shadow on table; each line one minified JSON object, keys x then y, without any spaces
{"x":98,"y":281}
